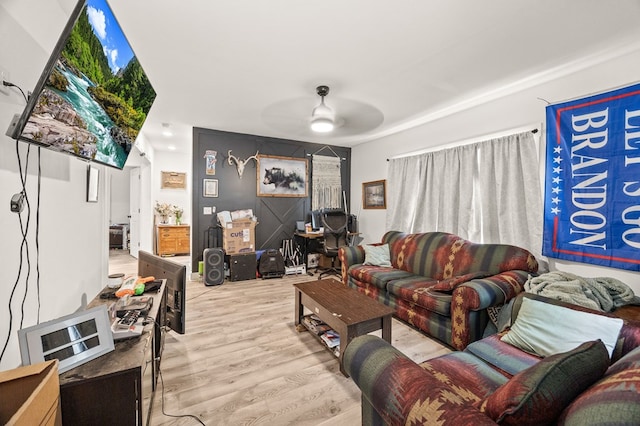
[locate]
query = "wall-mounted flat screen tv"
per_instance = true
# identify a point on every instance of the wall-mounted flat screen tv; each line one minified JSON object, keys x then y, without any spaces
{"x":93,"y":95}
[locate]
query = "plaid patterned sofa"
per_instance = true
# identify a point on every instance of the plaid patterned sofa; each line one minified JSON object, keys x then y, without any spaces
{"x":439,"y":282}
{"x":493,"y":382}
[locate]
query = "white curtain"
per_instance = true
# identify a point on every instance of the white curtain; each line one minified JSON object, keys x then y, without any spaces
{"x":326,"y":183}
{"x":510,"y":201}
{"x":430,"y":192}
{"x":485,"y":192}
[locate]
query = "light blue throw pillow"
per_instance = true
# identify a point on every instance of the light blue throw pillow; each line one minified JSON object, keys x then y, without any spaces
{"x":545,"y":329}
{"x":377,"y":255}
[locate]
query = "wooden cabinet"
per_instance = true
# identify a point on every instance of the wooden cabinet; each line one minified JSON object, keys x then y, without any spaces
{"x":172,"y":239}
{"x":117,"y":388}
{"x":119,"y":236}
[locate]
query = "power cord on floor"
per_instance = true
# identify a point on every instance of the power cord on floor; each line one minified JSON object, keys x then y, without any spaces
{"x":177,"y":416}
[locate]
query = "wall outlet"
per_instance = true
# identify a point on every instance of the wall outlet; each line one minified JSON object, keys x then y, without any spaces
{"x":207,"y":211}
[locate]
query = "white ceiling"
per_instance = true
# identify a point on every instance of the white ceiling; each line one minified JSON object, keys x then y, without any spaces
{"x":252,"y":66}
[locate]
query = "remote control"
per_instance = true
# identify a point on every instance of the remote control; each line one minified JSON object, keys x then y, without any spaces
{"x":129,"y":319}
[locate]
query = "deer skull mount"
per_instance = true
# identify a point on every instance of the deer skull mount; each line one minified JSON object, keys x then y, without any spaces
{"x":240,"y":163}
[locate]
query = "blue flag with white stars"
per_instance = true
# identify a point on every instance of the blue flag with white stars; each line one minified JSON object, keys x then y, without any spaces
{"x":592,"y":180}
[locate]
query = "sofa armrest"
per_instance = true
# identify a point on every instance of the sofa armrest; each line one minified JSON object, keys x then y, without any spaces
{"x":495,"y":290}
{"x":349,"y":256}
{"x":477,"y":295}
{"x":400,"y":391}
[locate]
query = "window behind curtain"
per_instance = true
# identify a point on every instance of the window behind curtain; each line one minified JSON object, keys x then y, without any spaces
{"x":487,"y":192}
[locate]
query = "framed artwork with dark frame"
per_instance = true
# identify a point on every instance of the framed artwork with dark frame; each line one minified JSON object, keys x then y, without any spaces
{"x":374,"y":194}
{"x":210,"y":188}
{"x":282,"y":176}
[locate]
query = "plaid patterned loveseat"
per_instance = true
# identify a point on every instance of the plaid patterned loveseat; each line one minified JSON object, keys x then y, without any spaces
{"x":439,"y":282}
{"x":494,"y":382}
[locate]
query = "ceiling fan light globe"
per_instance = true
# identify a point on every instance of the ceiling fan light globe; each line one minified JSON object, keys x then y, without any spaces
{"x":322,"y":110}
{"x":322,"y":125}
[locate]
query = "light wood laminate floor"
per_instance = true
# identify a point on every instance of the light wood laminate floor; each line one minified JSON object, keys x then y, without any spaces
{"x":241,"y":361}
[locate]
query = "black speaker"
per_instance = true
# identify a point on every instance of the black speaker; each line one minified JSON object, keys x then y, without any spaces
{"x":213,"y":259}
{"x":242,"y":266}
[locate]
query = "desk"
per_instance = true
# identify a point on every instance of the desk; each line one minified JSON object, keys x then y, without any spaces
{"x":309,"y":237}
{"x":117,"y":388}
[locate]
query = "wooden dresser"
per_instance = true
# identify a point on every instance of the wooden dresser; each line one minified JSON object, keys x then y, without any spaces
{"x":172,"y":239}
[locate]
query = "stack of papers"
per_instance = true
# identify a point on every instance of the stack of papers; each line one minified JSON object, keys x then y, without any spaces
{"x":226,"y":218}
{"x":331,"y":338}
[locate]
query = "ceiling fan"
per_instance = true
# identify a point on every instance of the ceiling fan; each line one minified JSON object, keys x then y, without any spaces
{"x":334,"y":117}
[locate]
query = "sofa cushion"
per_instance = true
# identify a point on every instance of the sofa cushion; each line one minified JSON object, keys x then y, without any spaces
{"x":465,"y":374}
{"x":545,"y":329}
{"x":440,"y":255}
{"x":417,"y":290}
{"x":614,"y":399}
{"x":450,"y":284}
{"x":377,"y":255}
{"x":501,"y":355}
{"x":537,"y":395}
{"x":377,"y":275}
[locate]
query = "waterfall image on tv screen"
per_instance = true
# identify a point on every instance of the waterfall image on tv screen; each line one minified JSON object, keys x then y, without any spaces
{"x":94,"y":95}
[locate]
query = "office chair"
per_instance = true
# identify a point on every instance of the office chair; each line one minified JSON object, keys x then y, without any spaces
{"x":335,"y":236}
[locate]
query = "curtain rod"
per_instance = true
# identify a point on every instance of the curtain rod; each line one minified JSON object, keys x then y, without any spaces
{"x":330,"y":149}
{"x":534,"y":131}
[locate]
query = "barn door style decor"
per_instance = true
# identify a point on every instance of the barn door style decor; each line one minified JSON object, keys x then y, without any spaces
{"x":592,"y":195}
{"x":282,"y":176}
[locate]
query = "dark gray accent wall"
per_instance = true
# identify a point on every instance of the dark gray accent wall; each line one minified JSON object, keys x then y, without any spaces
{"x":277,"y":216}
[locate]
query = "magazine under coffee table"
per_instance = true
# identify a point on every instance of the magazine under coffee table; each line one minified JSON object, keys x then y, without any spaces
{"x":347,"y":311}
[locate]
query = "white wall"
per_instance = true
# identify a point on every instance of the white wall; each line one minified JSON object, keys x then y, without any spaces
{"x":73,"y":234}
{"x":514,"y":110}
{"x":168,"y":161}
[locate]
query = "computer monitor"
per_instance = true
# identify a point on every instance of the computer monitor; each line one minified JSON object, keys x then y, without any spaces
{"x":316,"y":219}
{"x":176,"y":276}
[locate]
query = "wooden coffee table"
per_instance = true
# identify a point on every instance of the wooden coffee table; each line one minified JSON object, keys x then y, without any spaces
{"x":349,"y":312}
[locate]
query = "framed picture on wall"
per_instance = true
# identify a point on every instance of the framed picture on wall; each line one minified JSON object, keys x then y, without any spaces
{"x":92,"y":184}
{"x":210,"y":188}
{"x":374,"y":194}
{"x":173,"y":180}
{"x":282,"y":176}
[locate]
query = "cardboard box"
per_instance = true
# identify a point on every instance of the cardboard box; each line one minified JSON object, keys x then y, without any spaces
{"x":239,"y":236}
{"x":30,"y":395}
{"x":325,"y":262}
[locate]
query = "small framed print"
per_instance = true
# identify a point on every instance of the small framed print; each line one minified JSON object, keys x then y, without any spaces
{"x":374,"y":195}
{"x":210,"y":188}
{"x":173,"y":180}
